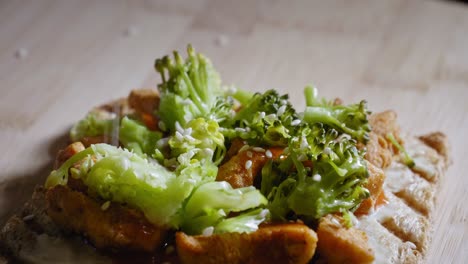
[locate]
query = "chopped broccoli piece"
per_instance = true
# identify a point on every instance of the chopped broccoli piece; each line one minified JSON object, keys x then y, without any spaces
{"x":349,"y":119}
{"x":95,"y":123}
{"x":331,"y":182}
{"x":137,"y":137}
{"x":191,"y":89}
{"x":405,"y":157}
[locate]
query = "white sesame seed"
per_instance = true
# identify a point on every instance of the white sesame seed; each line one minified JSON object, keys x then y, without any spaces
{"x":248,"y":164}
{"x":271,"y":116}
{"x":317,"y":177}
{"x":327,"y":151}
{"x":131,"y":31}
{"x":262,"y":114}
{"x":231,"y":90}
{"x":208,"y":231}
{"x":105,"y":205}
{"x":239,"y":129}
{"x":162,"y":143}
{"x":249,"y":154}
{"x":244,"y":148}
{"x":264,"y":213}
{"x":283,"y":102}
{"x":179,"y":136}
{"x":258,"y":149}
{"x":295,"y":122}
{"x":28,"y":217}
{"x":269,"y":154}
{"x":304,"y":143}
{"x":179,"y":127}
{"x":222,"y":40}
{"x":281,"y":110}
{"x":208,"y":151}
{"x":21,"y":53}
{"x":302,"y":157}
{"x":162,"y":125}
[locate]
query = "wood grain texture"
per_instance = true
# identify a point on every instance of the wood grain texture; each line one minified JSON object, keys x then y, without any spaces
{"x":410,"y":56}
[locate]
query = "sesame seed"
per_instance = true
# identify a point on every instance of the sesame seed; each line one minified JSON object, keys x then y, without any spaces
{"x":21,"y":53}
{"x":262,"y":114}
{"x":317,"y":177}
{"x":304,"y":143}
{"x":162,"y":125}
{"x":208,"y":151}
{"x":327,"y":151}
{"x":302,"y":157}
{"x":248,"y":164}
{"x":28,"y":217}
{"x":179,"y":136}
{"x":271,"y":116}
{"x":258,"y":149}
{"x":179,"y":127}
{"x":208,"y":231}
{"x":249,"y":154}
{"x":269,"y":154}
{"x":105,"y":205}
{"x":239,"y":129}
{"x":295,"y":122}
{"x":281,"y":110}
{"x":264,"y":213}
{"x":244,"y":148}
{"x":283,"y":102}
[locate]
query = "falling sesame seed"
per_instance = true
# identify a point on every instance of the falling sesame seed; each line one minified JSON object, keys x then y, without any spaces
{"x":283,"y":102}
{"x":295,"y":122}
{"x":222,"y":40}
{"x":281,"y":110}
{"x":271,"y":116}
{"x":262,"y":114}
{"x":258,"y":149}
{"x":105,"y":205}
{"x":248,"y":165}
{"x":317,"y":177}
{"x":249,"y":154}
{"x":21,"y":53}
{"x":269,"y":154}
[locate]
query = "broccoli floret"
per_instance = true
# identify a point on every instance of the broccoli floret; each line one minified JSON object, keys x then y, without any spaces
{"x":267,"y":119}
{"x":323,"y":173}
{"x":190,"y":89}
{"x":349,"y":119}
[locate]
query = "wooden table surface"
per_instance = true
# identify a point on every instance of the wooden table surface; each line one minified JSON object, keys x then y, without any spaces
{"x":60,"y":58}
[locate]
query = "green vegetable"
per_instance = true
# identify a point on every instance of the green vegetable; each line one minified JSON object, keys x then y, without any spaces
{"x":267,"y":119}
{"x":406,"y":157}
{"x":212,"y":202}
{"x":96,"y":123}
{"x":137,"y":137}
{"x":333,"y":182}
{"x":190,"y":89}
{"x":349,"y":119}
{"x":243,"y":223}
{"x":200,"y":139}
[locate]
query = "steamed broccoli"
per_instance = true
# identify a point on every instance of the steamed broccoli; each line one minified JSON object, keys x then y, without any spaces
{"x":190,"y":89}
{"x":267,"y":119}
{"x":323,"y":173}
{"x":349,"y":119}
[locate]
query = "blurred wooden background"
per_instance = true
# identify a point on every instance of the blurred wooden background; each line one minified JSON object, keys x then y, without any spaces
{"x":60,"y":58}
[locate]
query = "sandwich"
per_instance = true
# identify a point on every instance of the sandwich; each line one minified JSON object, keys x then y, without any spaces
{"x":197,"y":172}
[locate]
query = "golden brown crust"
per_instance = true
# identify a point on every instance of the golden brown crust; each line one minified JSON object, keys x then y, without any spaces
{"x":374,"y":185}
{"x":338,"y":244}
{"x":437,"y":141}
{"x":144,"y":100}
{"x":279,"y":243}
{"x":112,"y":227}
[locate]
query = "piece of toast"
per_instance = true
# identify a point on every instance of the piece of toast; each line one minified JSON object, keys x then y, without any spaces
{"x":398,"y":232}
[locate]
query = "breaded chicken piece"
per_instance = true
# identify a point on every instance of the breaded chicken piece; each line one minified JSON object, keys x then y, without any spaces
{"x":144,"y":100}
{"x":338,"y":244}
{"x":279,"y":243}
{"x":112,"y":227}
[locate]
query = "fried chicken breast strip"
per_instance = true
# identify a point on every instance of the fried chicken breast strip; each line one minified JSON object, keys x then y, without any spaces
{"x":278,"y":243}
